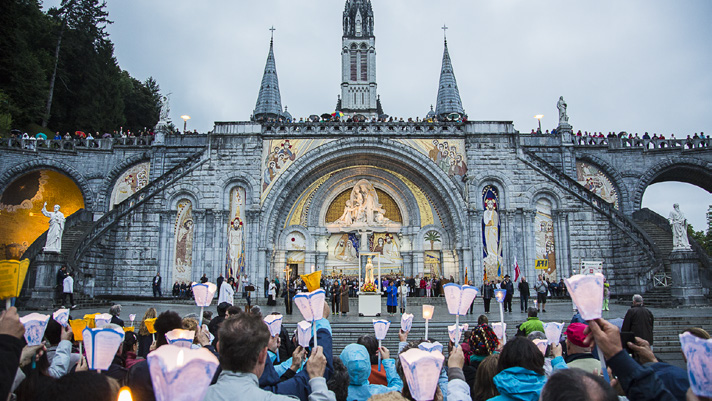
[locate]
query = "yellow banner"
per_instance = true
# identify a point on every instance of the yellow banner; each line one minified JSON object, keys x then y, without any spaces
{"x":312,"y":280}
{"x":541,"y":264}
{"x":12,"y":275}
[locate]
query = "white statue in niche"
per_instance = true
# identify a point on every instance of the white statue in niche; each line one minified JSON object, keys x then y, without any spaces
{"x":363,"y":208}
{"x":678,"y":223}
{"x":56,"y":228}
{"x":369,"y":272}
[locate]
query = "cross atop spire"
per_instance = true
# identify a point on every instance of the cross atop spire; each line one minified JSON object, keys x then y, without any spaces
{"x":272,"y":29}
{"x":444,"y":28}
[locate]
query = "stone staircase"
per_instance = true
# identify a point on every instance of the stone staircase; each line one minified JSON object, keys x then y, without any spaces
{"x":81,"y":232}
{"x":667,"y":342}
{"x":624,"y":223}
{"x":658,"y":229}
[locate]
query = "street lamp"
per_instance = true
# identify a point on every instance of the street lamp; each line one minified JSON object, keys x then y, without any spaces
{"x":539,"y":117}
{"x":185,"y":118}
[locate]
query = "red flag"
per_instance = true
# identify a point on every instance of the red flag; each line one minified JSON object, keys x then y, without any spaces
{"x":517,"y":272}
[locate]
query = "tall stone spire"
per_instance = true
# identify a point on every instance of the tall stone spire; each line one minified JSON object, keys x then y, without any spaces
{"x":448,"y":95}
{"x":269,"y":101}
{"x":358,"y":61}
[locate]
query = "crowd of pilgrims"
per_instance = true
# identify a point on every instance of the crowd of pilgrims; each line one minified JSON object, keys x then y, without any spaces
{"x":593,"y":138}
{"x":254,"y":365}
{"x":397,"y":290}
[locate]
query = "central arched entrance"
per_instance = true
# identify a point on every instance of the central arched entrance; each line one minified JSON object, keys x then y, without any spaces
{"x":308,"y":225}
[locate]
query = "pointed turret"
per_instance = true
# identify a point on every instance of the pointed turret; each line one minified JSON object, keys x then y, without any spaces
{"x":448,"y":95}
{"x":358,"y":19}
{"x":358,"y":62}
{"x":269,"y":101}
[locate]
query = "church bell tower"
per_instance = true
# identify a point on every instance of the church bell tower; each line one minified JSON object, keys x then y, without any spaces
{"x":358,"y":62}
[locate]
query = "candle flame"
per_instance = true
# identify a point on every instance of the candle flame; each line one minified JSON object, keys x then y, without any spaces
{"x":125,"y":394}
{"x":179,"y":359}
{"x":428,"y":311}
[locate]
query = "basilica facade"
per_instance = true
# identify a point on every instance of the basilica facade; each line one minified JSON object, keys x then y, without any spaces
{"x":441,"y":196}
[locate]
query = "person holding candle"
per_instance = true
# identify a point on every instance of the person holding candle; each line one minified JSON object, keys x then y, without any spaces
{"x":243,"y":354}
{"x":358,"y":363}
{"x":139,"y":378}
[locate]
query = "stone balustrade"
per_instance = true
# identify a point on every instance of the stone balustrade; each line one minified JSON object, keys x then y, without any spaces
{"x":34,"y":144}
{"x":391,"y":129}
{"x":645,"y":144}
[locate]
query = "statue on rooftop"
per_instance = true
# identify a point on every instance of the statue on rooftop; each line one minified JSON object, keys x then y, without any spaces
{"x":561,"y":105}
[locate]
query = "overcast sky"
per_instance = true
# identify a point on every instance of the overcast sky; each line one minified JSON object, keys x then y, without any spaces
{"x":634,"y":65}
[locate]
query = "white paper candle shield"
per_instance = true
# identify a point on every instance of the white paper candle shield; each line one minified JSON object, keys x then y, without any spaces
{"x":553,"y":332}
{"x":181,"y":374}
{"x":586,"y":291}
{"x":204,"y":293}
{"x":132,"y":317}
{"x":699,"y":363}
{"x":428,"y":311}
{"x":455,"y":332}
{"x":500,"y":329}
{"x":422,"y":371}
{"x":500,"y":294}
{"x":61,"y":316}
{"x":381,"y":328}
{"x":304,"y":333}
{"x":311,"y":304}
{"x":541,"y":344}
{"x":459,"y":298}
{"x":180,"y":337}
{"x":101,"y":345}
{"x":406,"y":322}
{"x":274,"y":322}
{"x":431,"y":347}
{"x":35,"y":325}
{"x":102,"y":320}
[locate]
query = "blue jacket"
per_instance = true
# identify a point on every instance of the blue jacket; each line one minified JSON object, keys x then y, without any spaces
{"x":519,"y":384}
{"x":392,"y":291}
{"x":357,"y":361}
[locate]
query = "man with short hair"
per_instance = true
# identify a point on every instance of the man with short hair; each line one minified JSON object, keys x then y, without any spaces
{"x":532,"y":324}
{"x":578,"y":355}
{"x":639,"y":320}
{"x":243,"y":352}
{"x":523,"y":294}
{"x":509,"y":287}
{"x":576,"y":384}
{"x":115,"y":312}
{"x":541,"y":289}
{"x":156,"y":285}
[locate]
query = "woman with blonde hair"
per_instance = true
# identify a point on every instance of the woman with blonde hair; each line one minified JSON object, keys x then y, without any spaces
{"x":145,"y":339}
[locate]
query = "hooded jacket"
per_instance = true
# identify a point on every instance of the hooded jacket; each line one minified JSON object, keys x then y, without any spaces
{"x":519,"y":384}
{"x":357,"y":361}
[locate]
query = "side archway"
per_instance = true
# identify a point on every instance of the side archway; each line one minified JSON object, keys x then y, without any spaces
{"x":690,"y":170}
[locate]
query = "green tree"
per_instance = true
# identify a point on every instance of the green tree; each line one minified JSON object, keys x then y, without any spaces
{"x":24,"y":59}
{"x":705,"y":240}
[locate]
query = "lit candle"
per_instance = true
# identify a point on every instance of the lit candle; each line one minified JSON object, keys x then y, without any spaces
{"x":427,"y":315}
{"x":125,"y":394}
{"x":181,"y":374}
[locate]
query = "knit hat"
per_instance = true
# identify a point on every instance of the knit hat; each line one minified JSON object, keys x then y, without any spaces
{"x":575,"y":335}
{"x":483,"y":340}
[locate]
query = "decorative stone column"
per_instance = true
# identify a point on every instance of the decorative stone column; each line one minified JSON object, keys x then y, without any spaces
{"x":686,"y":285}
